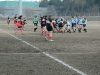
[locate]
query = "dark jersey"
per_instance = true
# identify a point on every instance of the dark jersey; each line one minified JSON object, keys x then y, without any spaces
{"x":20,"y":17}
{"x":48,"y":24}
{"x":43,"y":22}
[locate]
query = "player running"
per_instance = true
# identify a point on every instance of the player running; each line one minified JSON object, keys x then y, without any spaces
{"x":69,"y":25}
{"x":84,"y":21}
{"x":60,"y":23}
{"x":43,"y":26}
{"x":35,"y":22}
{"x":20,"y":25}
{"x":73,"y":21}
{"x":49,"y":27}
{"x":8,"y":20}
{"x":15,"y":19}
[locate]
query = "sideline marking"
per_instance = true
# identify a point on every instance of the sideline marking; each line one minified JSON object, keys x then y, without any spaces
{"x":20,"y":53}
{"x":74,"y":53}
{"x":48,"y":55}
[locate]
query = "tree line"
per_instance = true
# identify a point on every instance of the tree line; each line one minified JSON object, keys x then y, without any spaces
{"x":73,"y":7}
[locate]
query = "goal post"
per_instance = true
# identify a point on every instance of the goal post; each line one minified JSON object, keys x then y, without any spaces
{"x":20,"y":7}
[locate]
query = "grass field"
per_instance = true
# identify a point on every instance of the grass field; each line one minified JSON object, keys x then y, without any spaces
{"x":30,"y":54}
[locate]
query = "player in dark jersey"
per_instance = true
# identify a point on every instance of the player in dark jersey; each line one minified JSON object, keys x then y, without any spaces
{"x":8,"y":20}
{"x":23,"y":22}
{"x":15,"y":19}
{"x":43,"y":26}
{"x":49,"y":26}
{"x":20,"y":17}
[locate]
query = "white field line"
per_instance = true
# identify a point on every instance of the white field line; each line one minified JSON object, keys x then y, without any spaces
{"x":48,"y":55}
{"x":20,"y":53}
{"x":65,"y":64}
{"x":74,"y":53}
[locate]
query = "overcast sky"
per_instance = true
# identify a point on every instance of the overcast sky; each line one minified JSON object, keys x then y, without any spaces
{"x":17,"y":0}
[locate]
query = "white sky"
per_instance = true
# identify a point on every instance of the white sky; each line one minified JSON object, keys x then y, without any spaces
{"x":23,"y":0}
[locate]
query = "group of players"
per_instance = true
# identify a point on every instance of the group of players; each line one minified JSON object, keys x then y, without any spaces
{"x":75,"y":23}
{"x":50,"y":24}
{"x":46,"y":26}
{"x":61,"y":25}
{"x":19,"y":23}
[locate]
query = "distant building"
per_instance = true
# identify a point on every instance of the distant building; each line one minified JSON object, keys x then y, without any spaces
{"x":10,"y":8}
